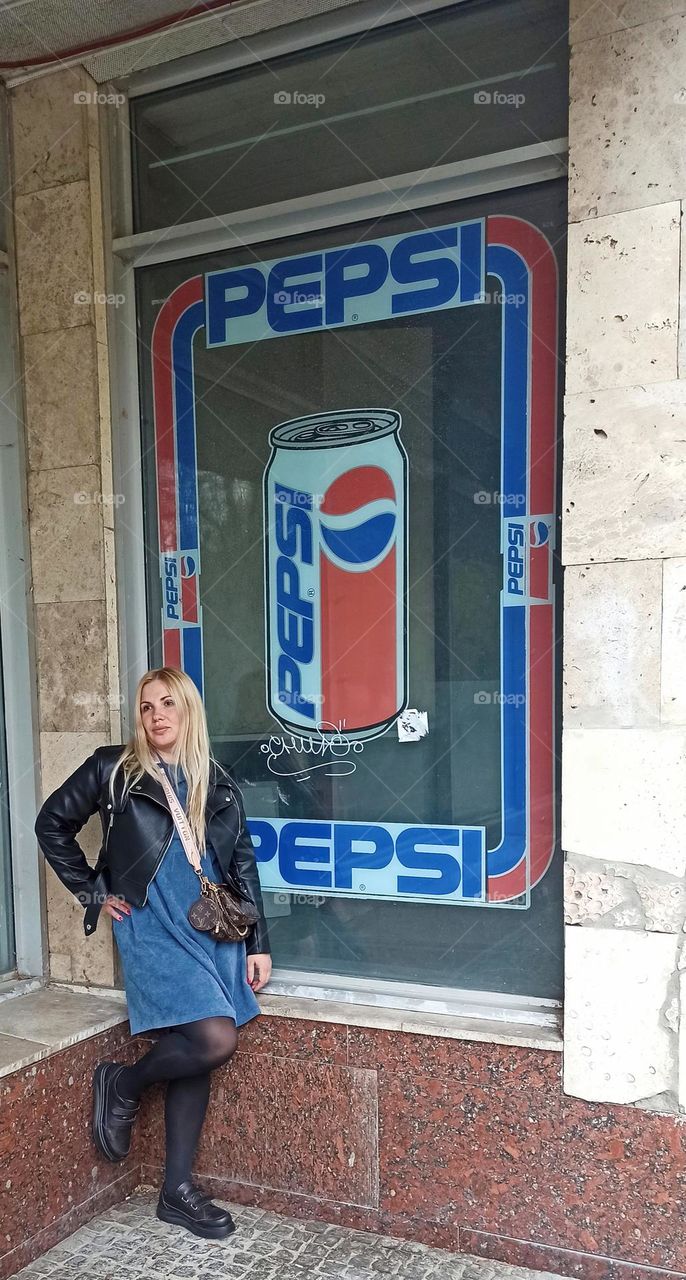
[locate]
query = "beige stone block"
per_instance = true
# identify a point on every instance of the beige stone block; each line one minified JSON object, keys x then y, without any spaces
{"x":66,"y":534}
{"x":674,"y":642}
{"x":57,"y":1017}
{"x":682,"y":303}
{"x":115,"y":697}
{"x":618,"y":1046}
{"x":682,"y":1037}
{"x":49,"y":123}
{"x":91,"y":958}
{"x":55,"y":272}
{"x":588,"y":18}
{"x":627,"y":119}
{"x":60,"y":371}
{"x":621,"y":896}
{"x":622,"y":299}
{"x":62,"y":753}
{"x":72,"y":666}
{"x":624,"y":796}
{"x":624,"y":476}
{"x":61,"y":967}
{"x":612,"y":644}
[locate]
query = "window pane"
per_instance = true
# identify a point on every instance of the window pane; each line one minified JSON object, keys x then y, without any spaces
{"x":470,"y":81}
{"x":450,"y":375}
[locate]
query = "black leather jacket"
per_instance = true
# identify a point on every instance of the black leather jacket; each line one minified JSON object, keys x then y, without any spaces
{"x":137,"y":832}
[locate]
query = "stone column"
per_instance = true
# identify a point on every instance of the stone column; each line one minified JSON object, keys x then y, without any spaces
{"x":624,"y":548}
{"x":63,"y":301}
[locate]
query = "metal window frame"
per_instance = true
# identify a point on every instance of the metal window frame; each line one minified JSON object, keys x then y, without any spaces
{"x":483,"y":175}
{"x":283,"y":36}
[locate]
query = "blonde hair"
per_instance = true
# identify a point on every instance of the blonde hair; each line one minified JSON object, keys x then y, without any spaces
{"x":192,"y":752}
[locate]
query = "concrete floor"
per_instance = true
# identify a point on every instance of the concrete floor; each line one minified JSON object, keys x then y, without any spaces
{"x":128,"y":1242}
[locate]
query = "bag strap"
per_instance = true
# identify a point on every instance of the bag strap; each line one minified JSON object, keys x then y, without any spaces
{"x":182,"y":824}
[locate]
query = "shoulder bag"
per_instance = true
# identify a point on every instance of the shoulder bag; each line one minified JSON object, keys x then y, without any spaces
{"x":219,"y":910}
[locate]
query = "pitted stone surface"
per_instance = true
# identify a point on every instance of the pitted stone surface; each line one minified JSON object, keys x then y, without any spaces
{"x":130,"y":1241}
{"x":623,"y":895}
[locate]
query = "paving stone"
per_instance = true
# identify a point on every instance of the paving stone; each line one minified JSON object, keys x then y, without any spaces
{"x":128,"y":1242}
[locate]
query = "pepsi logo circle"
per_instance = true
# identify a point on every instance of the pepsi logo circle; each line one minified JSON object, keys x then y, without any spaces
{"x":358,"y":518}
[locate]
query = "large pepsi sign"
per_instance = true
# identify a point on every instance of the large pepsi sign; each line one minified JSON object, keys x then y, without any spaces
{"x":354,"y":284}
{"x":361,"y":283}
{"x":372,"y":859}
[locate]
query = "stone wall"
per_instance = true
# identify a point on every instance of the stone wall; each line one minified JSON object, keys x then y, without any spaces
{"x":623,"y":522}
{"x":470,"y":1147}
{"x":624,"y":548}
{"x":62,"y":292}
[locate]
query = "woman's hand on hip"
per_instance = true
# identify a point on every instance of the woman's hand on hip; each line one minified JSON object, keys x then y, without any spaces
{"x":259,"y":969}
{"x":114,"y":905}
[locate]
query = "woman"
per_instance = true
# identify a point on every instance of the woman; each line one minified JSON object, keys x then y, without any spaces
{"x":177,"y":978}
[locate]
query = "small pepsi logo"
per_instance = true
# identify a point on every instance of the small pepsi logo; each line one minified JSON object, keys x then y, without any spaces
{"x":187,"y":566}
{"x":358,"y":518}
{"x":539,"y":533}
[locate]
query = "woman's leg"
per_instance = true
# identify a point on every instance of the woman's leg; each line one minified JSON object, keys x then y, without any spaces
{"x":185,"y":1107}
{"x":193,"y":1048}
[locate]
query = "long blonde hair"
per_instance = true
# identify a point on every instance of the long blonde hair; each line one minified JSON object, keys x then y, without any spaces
{"x":192,"y":752}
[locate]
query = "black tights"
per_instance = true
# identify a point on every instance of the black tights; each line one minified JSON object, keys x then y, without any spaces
{"x":184,"y":1057}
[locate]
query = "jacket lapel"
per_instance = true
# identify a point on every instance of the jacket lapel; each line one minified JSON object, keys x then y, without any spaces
{"x":147,"y":786}
{"x":217,"y":792}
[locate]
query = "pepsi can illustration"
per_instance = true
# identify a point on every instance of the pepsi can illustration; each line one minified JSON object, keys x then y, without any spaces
{"x":335,"y":517}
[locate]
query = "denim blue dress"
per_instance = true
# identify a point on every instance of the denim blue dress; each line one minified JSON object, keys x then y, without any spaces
{"x":174,"y":973}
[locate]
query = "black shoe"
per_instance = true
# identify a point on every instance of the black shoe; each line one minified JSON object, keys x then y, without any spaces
{"x":112,"y":1117}
{"x":189,"y":1207}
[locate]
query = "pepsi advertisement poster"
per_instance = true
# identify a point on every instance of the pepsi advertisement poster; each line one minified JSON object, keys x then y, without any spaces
{"x":351,"y":490}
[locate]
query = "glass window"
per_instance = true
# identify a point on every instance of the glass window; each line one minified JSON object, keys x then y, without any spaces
{"x":393,"y":556}
{"x":469,"y":81}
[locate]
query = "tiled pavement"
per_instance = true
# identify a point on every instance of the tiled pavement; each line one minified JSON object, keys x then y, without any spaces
{"x":128,"y":1242}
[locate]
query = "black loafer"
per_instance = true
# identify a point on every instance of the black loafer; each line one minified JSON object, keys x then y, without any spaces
{"x":189,"y":1207}
{"x":112,"y":1118}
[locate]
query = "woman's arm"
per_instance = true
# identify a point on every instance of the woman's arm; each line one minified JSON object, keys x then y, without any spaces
{"x":62,"y":815}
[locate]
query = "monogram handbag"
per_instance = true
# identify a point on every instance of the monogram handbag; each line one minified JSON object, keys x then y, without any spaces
{"x":227,"y":914}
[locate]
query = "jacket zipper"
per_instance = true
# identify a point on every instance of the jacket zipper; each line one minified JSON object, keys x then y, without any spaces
{"x":171,"y":837}
{"x":159,"y":864}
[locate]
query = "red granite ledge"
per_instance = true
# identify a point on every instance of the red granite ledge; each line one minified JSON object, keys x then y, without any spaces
{"x":288,"y":1203}
{"x":564,"y":1262}
{"x":461,"y":1061}
{"x":30,"y":1250}
{"x":294,"y":1038}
